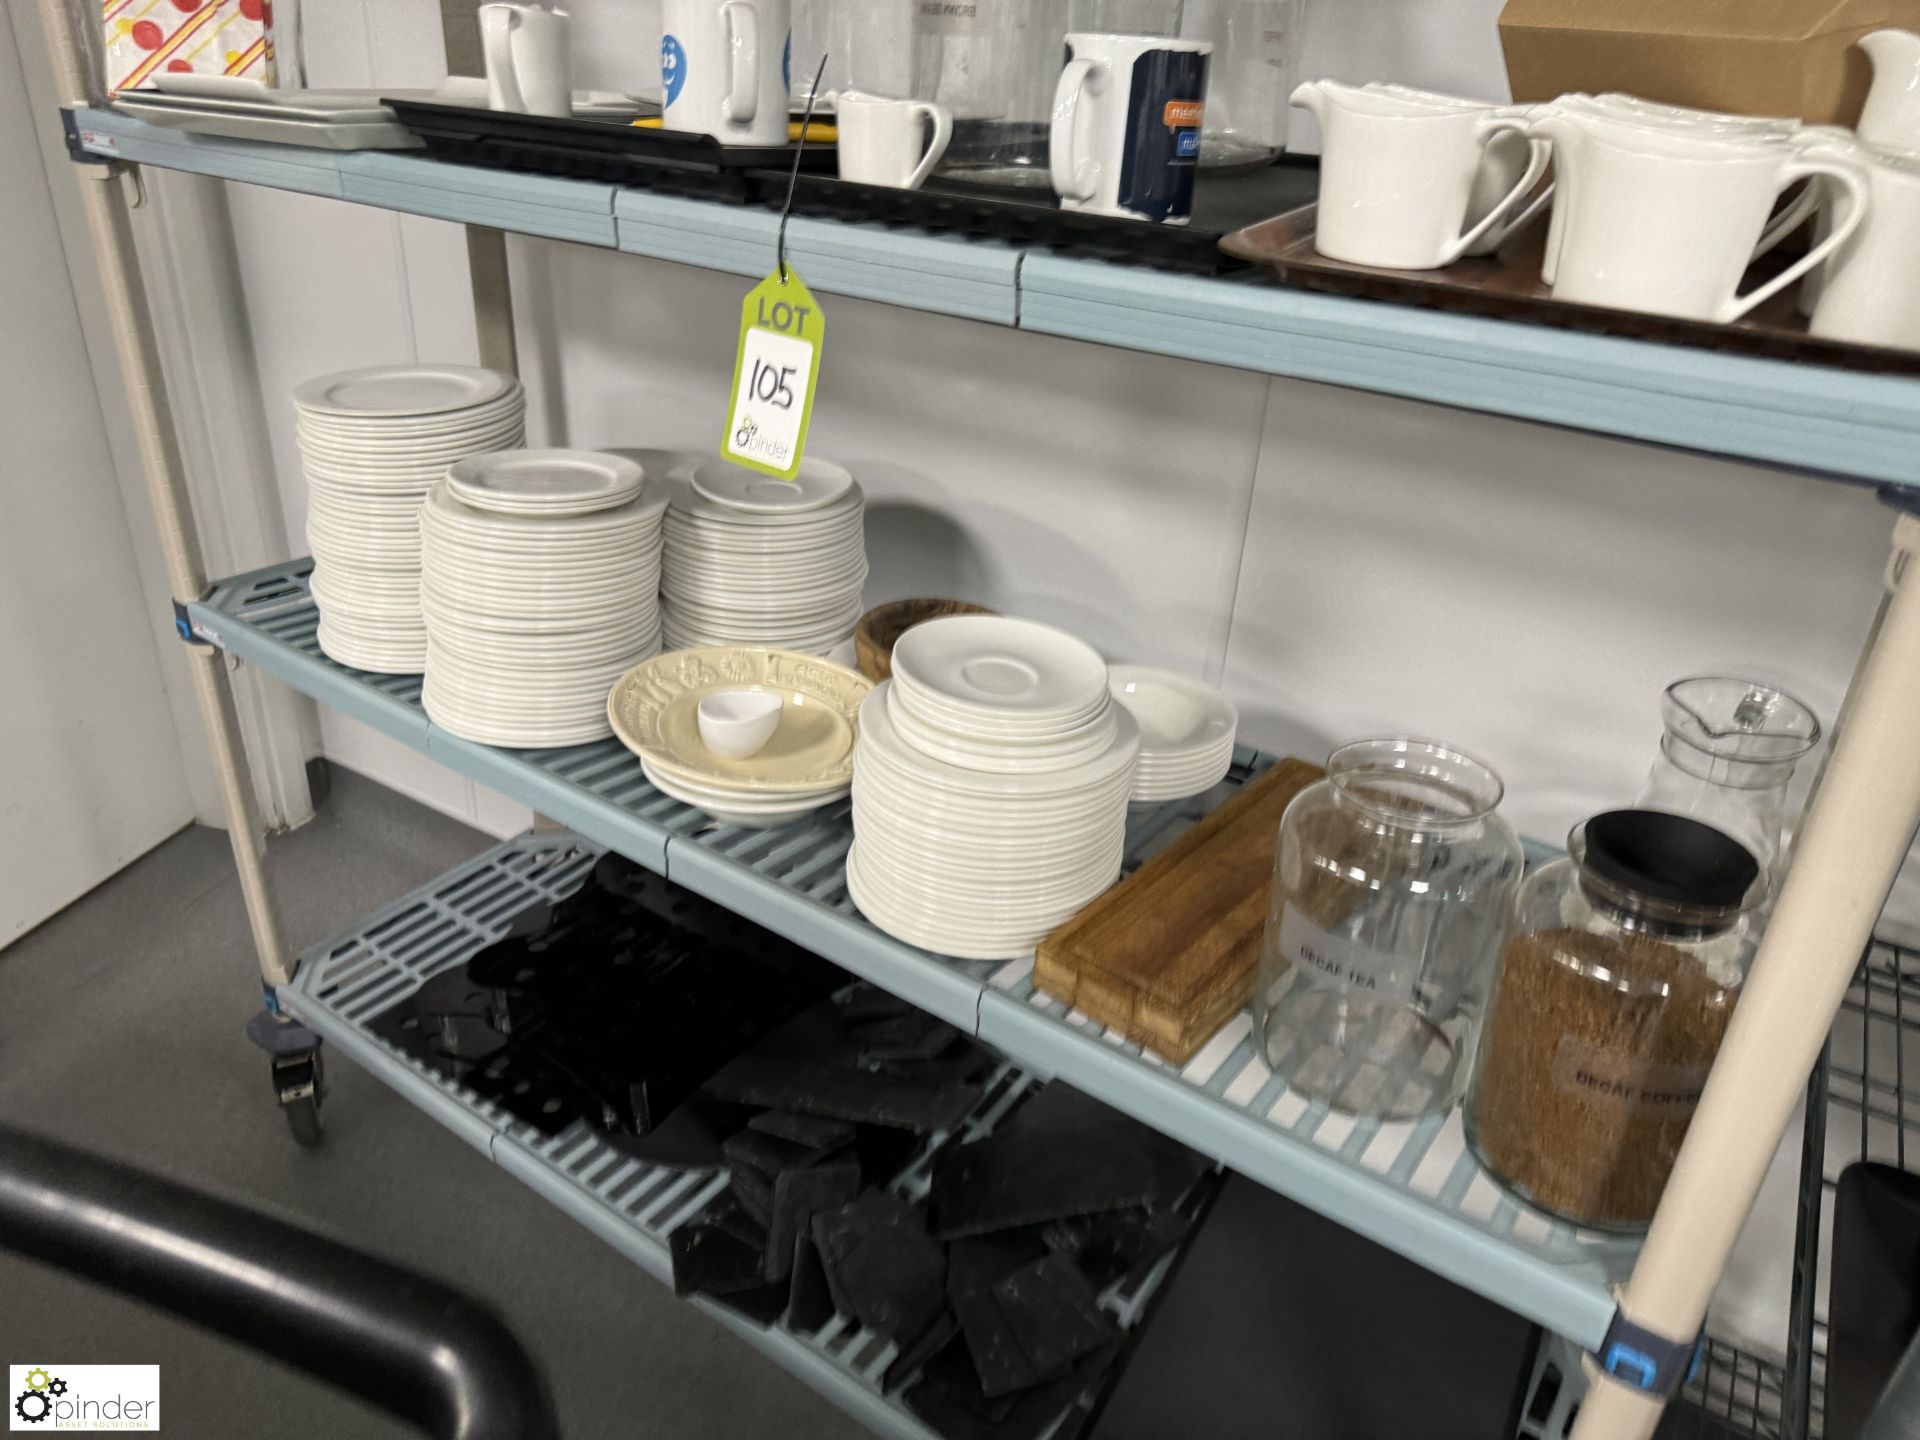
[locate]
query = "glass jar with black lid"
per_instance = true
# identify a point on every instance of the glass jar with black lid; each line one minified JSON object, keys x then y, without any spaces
{"x":1616,"y":984}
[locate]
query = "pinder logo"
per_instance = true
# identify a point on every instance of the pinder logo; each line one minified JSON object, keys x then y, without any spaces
{"x":89,"y":1398}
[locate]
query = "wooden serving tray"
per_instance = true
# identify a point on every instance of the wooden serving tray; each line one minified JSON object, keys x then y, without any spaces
{"x":1168,"y":955}
{"x":1507,"y":286}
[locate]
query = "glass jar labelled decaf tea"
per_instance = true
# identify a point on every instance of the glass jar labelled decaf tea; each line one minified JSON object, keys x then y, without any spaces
{"x":1614,"y":991}
{"x":1390,"y":895}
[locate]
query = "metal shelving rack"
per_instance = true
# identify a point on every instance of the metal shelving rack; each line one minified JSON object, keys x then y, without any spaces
{"x":1411,"y":1187}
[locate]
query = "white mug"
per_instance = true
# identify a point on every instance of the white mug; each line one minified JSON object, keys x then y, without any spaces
{"x":884,"y":142}
{"x":1666,"y":221}
{"x":723,"y":69}
{"x":1397,"y":177}
{"x":1125,"y":137}
{"x":529,"y":67}
{"x":1871,"y":293}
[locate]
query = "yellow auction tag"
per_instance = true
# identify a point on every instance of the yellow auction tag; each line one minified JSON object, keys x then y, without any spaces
{"x":781,"y":335}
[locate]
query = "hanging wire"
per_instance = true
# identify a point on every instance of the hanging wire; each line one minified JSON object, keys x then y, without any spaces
{"x":793,"y":176}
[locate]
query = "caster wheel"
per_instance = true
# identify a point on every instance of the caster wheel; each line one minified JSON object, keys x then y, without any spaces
{"x":299,"y":1085}
{"x":303,"y":1120}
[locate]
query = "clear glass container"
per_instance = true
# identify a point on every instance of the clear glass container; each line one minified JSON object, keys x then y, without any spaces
{"x":1390,"y":896}
{"x":1728,"y":755}
{"x":868,"y":46}
{"x":1249,"y":80}
{"x":1615,"y":989}
{"x":994,"y":64}
{"x":1249,"y":75}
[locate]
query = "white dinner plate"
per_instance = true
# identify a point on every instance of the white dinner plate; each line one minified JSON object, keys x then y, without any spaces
{"x":393,"y":391}
{"x":544,"y":482}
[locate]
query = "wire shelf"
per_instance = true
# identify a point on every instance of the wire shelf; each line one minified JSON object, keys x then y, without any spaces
{"x":345,"y":983}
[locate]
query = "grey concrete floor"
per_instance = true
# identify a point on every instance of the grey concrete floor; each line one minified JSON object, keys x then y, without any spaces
{"x":121,"y":1030}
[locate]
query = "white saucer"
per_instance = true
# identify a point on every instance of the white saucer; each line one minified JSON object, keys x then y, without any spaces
{"x":818,"y":483}
{"x":992,"y":666}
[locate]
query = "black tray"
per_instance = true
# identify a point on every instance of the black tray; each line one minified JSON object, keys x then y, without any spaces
{"x":1035,"y":219}
{"x":597,"y":147}
{"x":611,"y":150}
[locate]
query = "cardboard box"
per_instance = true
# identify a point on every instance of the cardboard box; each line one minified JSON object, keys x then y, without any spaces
{"x":1750,"y":57}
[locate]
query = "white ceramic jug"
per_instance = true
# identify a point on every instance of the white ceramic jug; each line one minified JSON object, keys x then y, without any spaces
{"x":1666,"y":221}
{"x":1397,"y":175}
{"x":1507,"y":157}
{"x":1891,"y":116}
{"x":1632,"y":110}
{"x":1871,"y":293}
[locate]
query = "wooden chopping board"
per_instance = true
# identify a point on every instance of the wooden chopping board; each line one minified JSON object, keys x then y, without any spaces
{"x":1169,"y":954}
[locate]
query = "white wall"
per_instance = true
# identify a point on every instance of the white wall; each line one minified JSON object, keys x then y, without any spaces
{"x":91,"y":774}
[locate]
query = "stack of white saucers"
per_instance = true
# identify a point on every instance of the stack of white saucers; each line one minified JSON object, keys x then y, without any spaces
{"x":371,"y":444}
{"x":1186,"y":731}
{"x":990,"y":787}
{"x":806,"y":763}
{"x":753,"y":560}
{"x":539,"y":585}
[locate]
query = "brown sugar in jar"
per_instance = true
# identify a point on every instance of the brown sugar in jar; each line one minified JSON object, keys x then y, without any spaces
{"x":1615,"y":989}
{"x":1586,"y":1086}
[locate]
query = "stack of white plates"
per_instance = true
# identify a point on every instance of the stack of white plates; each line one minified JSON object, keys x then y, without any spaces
{"x":539,"y":584}
{"x":990,"y":787}
{"x":371,"y":444}
{"x":752,"y":560}
{"x":1186,"y":732}
{"x":807,"y":763}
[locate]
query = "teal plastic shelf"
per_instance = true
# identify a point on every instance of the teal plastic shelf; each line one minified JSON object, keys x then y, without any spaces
{"x":1853,"y":425}
{"x":1411,"y":1187}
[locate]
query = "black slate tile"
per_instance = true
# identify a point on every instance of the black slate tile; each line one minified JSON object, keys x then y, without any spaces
{"x":810,"y":1303}
{"x":932,"y":1341}
{"x":726,"y":1214}
{"x":1022,"y":1179}
{"x":843,"y":1093}
{"x":915,"y":1036}
{"x":882,"y":1266}
{"x":768,"y":1154}
{"x":753,"y":1191}
{"x":1053,"y":1315}
{"x":798,"y":1195}
{"x":762,"y":1305}
{"x":999,"y":1362}
{"x":811,"y":1130}
{"x":870,"y":1002}
{"x":708,"y":1261}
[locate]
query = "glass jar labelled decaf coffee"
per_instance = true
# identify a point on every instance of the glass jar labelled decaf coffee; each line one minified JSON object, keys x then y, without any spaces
{"x":1614,"y":991}
{"x":1391,"y":889}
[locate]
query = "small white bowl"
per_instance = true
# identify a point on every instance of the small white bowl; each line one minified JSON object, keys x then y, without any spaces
{"x":737,"y":723}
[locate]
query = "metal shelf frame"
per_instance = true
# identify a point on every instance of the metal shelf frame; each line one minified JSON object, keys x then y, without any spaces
{"x":1862,"y":428}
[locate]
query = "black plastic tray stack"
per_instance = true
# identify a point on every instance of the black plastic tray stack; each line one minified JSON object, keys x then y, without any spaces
{"x":614,"y":150}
